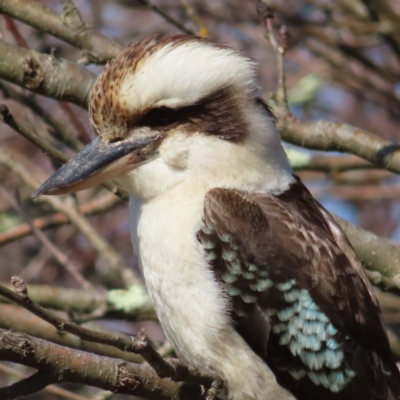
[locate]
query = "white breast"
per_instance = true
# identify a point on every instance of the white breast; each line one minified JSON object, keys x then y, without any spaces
{"x":188,"y":300}
{"x":186,"y":296}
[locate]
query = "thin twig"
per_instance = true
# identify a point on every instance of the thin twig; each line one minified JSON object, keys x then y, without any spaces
{"x":59,"y":129}
{"x":307,"y":29}
{"x":116,"y":265}
{"x":57,"y":253}
{"x":375,"y":11}
{"x":45,"y":74}
{"x":50,"y":389}
{"x":304,"y":161}
{"x":67,"y":26}
{"x":138,"y":345}
{"x":82,"y":132}
{"x":192,"y":14}
{"x":335,"y":136}
{"x":12,"y":27}
{"x":68,"y":365}
{"x":163,"y":14}
{"x":45,"y":146}
{"x":18,"y":319}
{"x":27,"y":386}
{"x":96,"y":206}
{"x":85,"y":302}
{"x":280,"y":46}
{"x":84,"y":136}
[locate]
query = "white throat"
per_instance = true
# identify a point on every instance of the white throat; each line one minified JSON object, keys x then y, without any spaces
{"x":190,"y":165}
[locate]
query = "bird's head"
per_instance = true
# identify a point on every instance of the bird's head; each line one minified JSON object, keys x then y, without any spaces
{"x":166,"y":108}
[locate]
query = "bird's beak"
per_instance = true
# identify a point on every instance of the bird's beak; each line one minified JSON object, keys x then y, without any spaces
{"x":98,"y":162}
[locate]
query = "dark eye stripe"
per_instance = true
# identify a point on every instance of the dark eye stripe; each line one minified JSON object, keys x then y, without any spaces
{"x":161,"y":116}
{"x":217,"y":114}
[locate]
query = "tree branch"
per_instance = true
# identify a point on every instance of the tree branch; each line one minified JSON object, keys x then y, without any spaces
{"x":67,"y":365}
{"x":50,"y":389}
{"x":88,"y":301}
{"x":96,"y":206}
{"x":18,"y":319}
{"x":280,"y":46}
{"x":198,"y":21}
{"x":138,"y":345}
{"x":45,"y":74}
{"x":68,"y":26}
{"x":333,"y":136}
{"x":62,"y":259}
{"x":58,"y":128}
{"x":44,"y":145}
{"x":117,"y":267}
{"x":27,"y":386}
{"x":377,"y":255}
{"x":304,"y":161}
{"x":161,"y":13}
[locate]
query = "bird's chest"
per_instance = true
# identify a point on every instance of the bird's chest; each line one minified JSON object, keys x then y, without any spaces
{"x":184,"y":292}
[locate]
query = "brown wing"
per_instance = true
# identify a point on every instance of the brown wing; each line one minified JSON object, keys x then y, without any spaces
{"x":299,"y":295}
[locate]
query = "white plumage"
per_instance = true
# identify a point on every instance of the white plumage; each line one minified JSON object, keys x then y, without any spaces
{"x":167,"y":201}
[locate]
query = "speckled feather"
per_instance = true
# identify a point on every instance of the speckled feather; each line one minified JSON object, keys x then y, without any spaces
{"x":111,"y":116}
{"x":297,"y":297}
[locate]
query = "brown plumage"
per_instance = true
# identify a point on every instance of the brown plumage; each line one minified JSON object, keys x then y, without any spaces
{"x":290,"y":238}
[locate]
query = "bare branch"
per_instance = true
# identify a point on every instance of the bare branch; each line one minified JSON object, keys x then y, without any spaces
{"x":82,"y":133}
{"x":27,"y":386}
{"x":138,"y":345}
{"x":57,"y":253}
{"x":18,"y":319}
{"x":68,"y":27}
{"x":50,"y":389}
{"x":333,"y":136}
{"x":12,"y":27}
{"x":167,"y":17}
{"x":376,"y":254}
{"x":45,"y":74}
{"x":280,"y":46}
{"x":44,"y":145}
{"x":192,"y":14}
{"x":88,"y":301}
{"x":60,"y":129}
{"x":117,"y":267}
{"x":375,"y":10}
{"x":96,"y":206}
{"x":68,"y":365}
{"x":66,"y":107}
{"x":122,"y":342}
{"x":302,"y":161}
{"x":333,"y":43}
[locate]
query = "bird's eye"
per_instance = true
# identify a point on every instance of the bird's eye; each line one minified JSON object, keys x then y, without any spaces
{"x":161,"y":116}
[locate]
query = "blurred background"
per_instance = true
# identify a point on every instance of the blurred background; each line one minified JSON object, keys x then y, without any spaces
{"x":342,"y":64}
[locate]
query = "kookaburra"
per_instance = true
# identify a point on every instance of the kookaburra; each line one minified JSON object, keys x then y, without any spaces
{"x":251,"y":278}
